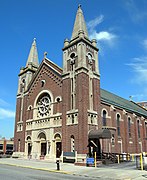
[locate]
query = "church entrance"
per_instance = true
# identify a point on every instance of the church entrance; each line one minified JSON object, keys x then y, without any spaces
{"x":58,"y":149}
{"x":43,"y":144}
{"x":94,"y":141}
{"x":58,"y":145}
{"x":94,"y":146}
{"x":29,"y":149}
{"x":28,"y":146}
{"x":43,"y":149}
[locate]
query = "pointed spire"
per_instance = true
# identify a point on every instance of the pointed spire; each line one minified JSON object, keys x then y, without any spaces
{"x":79,"y":25}
{"x":33,"y":55}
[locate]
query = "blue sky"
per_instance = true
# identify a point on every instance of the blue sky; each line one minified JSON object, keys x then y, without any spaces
{"x":119,"y":27}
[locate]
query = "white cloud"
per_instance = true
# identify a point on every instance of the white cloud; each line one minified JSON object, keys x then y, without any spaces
{"x":102,"y":37}
{"x":139,"y":66}
{"x":3,"y":103}
{"x":5,"y":113}
{"x":93,"y":23}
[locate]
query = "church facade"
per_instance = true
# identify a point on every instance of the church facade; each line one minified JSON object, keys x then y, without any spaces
{"x":65,"y":110}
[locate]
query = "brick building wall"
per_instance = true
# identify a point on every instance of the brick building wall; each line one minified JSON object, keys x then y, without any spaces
{"x":76,"y":104}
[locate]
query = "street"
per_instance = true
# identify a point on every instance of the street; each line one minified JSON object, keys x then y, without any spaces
{"x":18,"y":173}
{"x":24,"y":169}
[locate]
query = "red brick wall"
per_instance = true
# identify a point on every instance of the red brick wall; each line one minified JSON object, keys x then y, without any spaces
{"x":20,"y":135}
{"x":82,"y":99}
{"x":66,"y":102}
{"x":130,"y":145}
{"x":79,"y":131}
{"x":52,"y":83}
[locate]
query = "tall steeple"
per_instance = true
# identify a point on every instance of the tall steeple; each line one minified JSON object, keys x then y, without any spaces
{"x":80,"y":87}
{"x":33,"y":55}
{"x":79,"y":25}
{"x":26,"y":73}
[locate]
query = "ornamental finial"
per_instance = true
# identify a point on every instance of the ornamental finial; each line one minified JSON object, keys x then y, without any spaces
{"x":45,"y":54}
{"x":79,"y":6}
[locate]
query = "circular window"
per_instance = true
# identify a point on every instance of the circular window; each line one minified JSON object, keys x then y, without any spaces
{"x":72,"y":55}
{"x":58,"y":99}
{"x":43,"y":105}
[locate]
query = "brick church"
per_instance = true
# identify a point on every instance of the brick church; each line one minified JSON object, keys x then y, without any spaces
{"x":65,"y":110}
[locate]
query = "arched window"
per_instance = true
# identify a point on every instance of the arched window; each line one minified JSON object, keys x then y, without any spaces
{"x":42,"y":136}
{"x":72,"y":143}
{"x":42,"y":83}
{"x":22,"y":84}
{"x":72,"y":56}
{"x":104,"y":118}
{"x":89,"y":58}
{"x":28,"y":138}
{"x":92,"y":118}
{"x":19,"y":145}
{"x":118,"y":124}
{"x":72,"y":118}
{"x":129,"y":127}
{"x":138,"y":128}
{"x":72,"y":61}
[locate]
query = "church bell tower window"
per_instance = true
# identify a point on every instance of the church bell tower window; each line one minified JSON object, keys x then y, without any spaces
{"x":72,"y":63}
{"x":22,"y":85}
{"x":90,"y":58}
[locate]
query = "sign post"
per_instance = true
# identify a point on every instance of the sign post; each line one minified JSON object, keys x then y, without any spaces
{"x":95,"y":159}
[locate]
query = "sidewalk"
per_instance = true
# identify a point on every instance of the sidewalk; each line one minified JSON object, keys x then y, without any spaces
{"x":116,"y":172}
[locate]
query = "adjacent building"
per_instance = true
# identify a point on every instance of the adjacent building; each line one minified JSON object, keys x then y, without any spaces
{"x":65,"y":110}
{"x":143,"y":104}
{"x":6,"y":146}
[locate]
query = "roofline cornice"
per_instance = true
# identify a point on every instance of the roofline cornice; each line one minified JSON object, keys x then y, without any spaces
{"x":120,"y":107}
{"x":77,"y":40}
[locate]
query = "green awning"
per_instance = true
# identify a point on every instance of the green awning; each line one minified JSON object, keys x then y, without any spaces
{"x":100,"y":134}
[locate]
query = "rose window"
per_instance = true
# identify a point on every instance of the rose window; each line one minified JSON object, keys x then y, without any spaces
{"x":44,"y":106}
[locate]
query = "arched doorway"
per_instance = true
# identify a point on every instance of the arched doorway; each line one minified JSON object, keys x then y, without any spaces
{"x":43,"y":143}
{"x":58,"y":145}
{"x":29,"y":143}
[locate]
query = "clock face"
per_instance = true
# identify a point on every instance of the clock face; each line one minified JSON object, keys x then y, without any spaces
{"x":44,"y":106}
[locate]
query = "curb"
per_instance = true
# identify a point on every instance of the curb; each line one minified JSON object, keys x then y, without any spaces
{"x":42,"y":169}
{"x":53,"y":171}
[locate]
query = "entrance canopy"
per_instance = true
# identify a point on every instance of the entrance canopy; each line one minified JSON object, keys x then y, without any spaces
{"x":99,"y":134}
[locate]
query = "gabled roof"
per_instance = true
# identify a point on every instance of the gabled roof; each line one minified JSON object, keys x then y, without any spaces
{"x":120,"y":102}
{"x":51,"y":66}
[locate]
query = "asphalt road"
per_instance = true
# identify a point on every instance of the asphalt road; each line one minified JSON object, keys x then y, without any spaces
{"x":17,"y":173}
